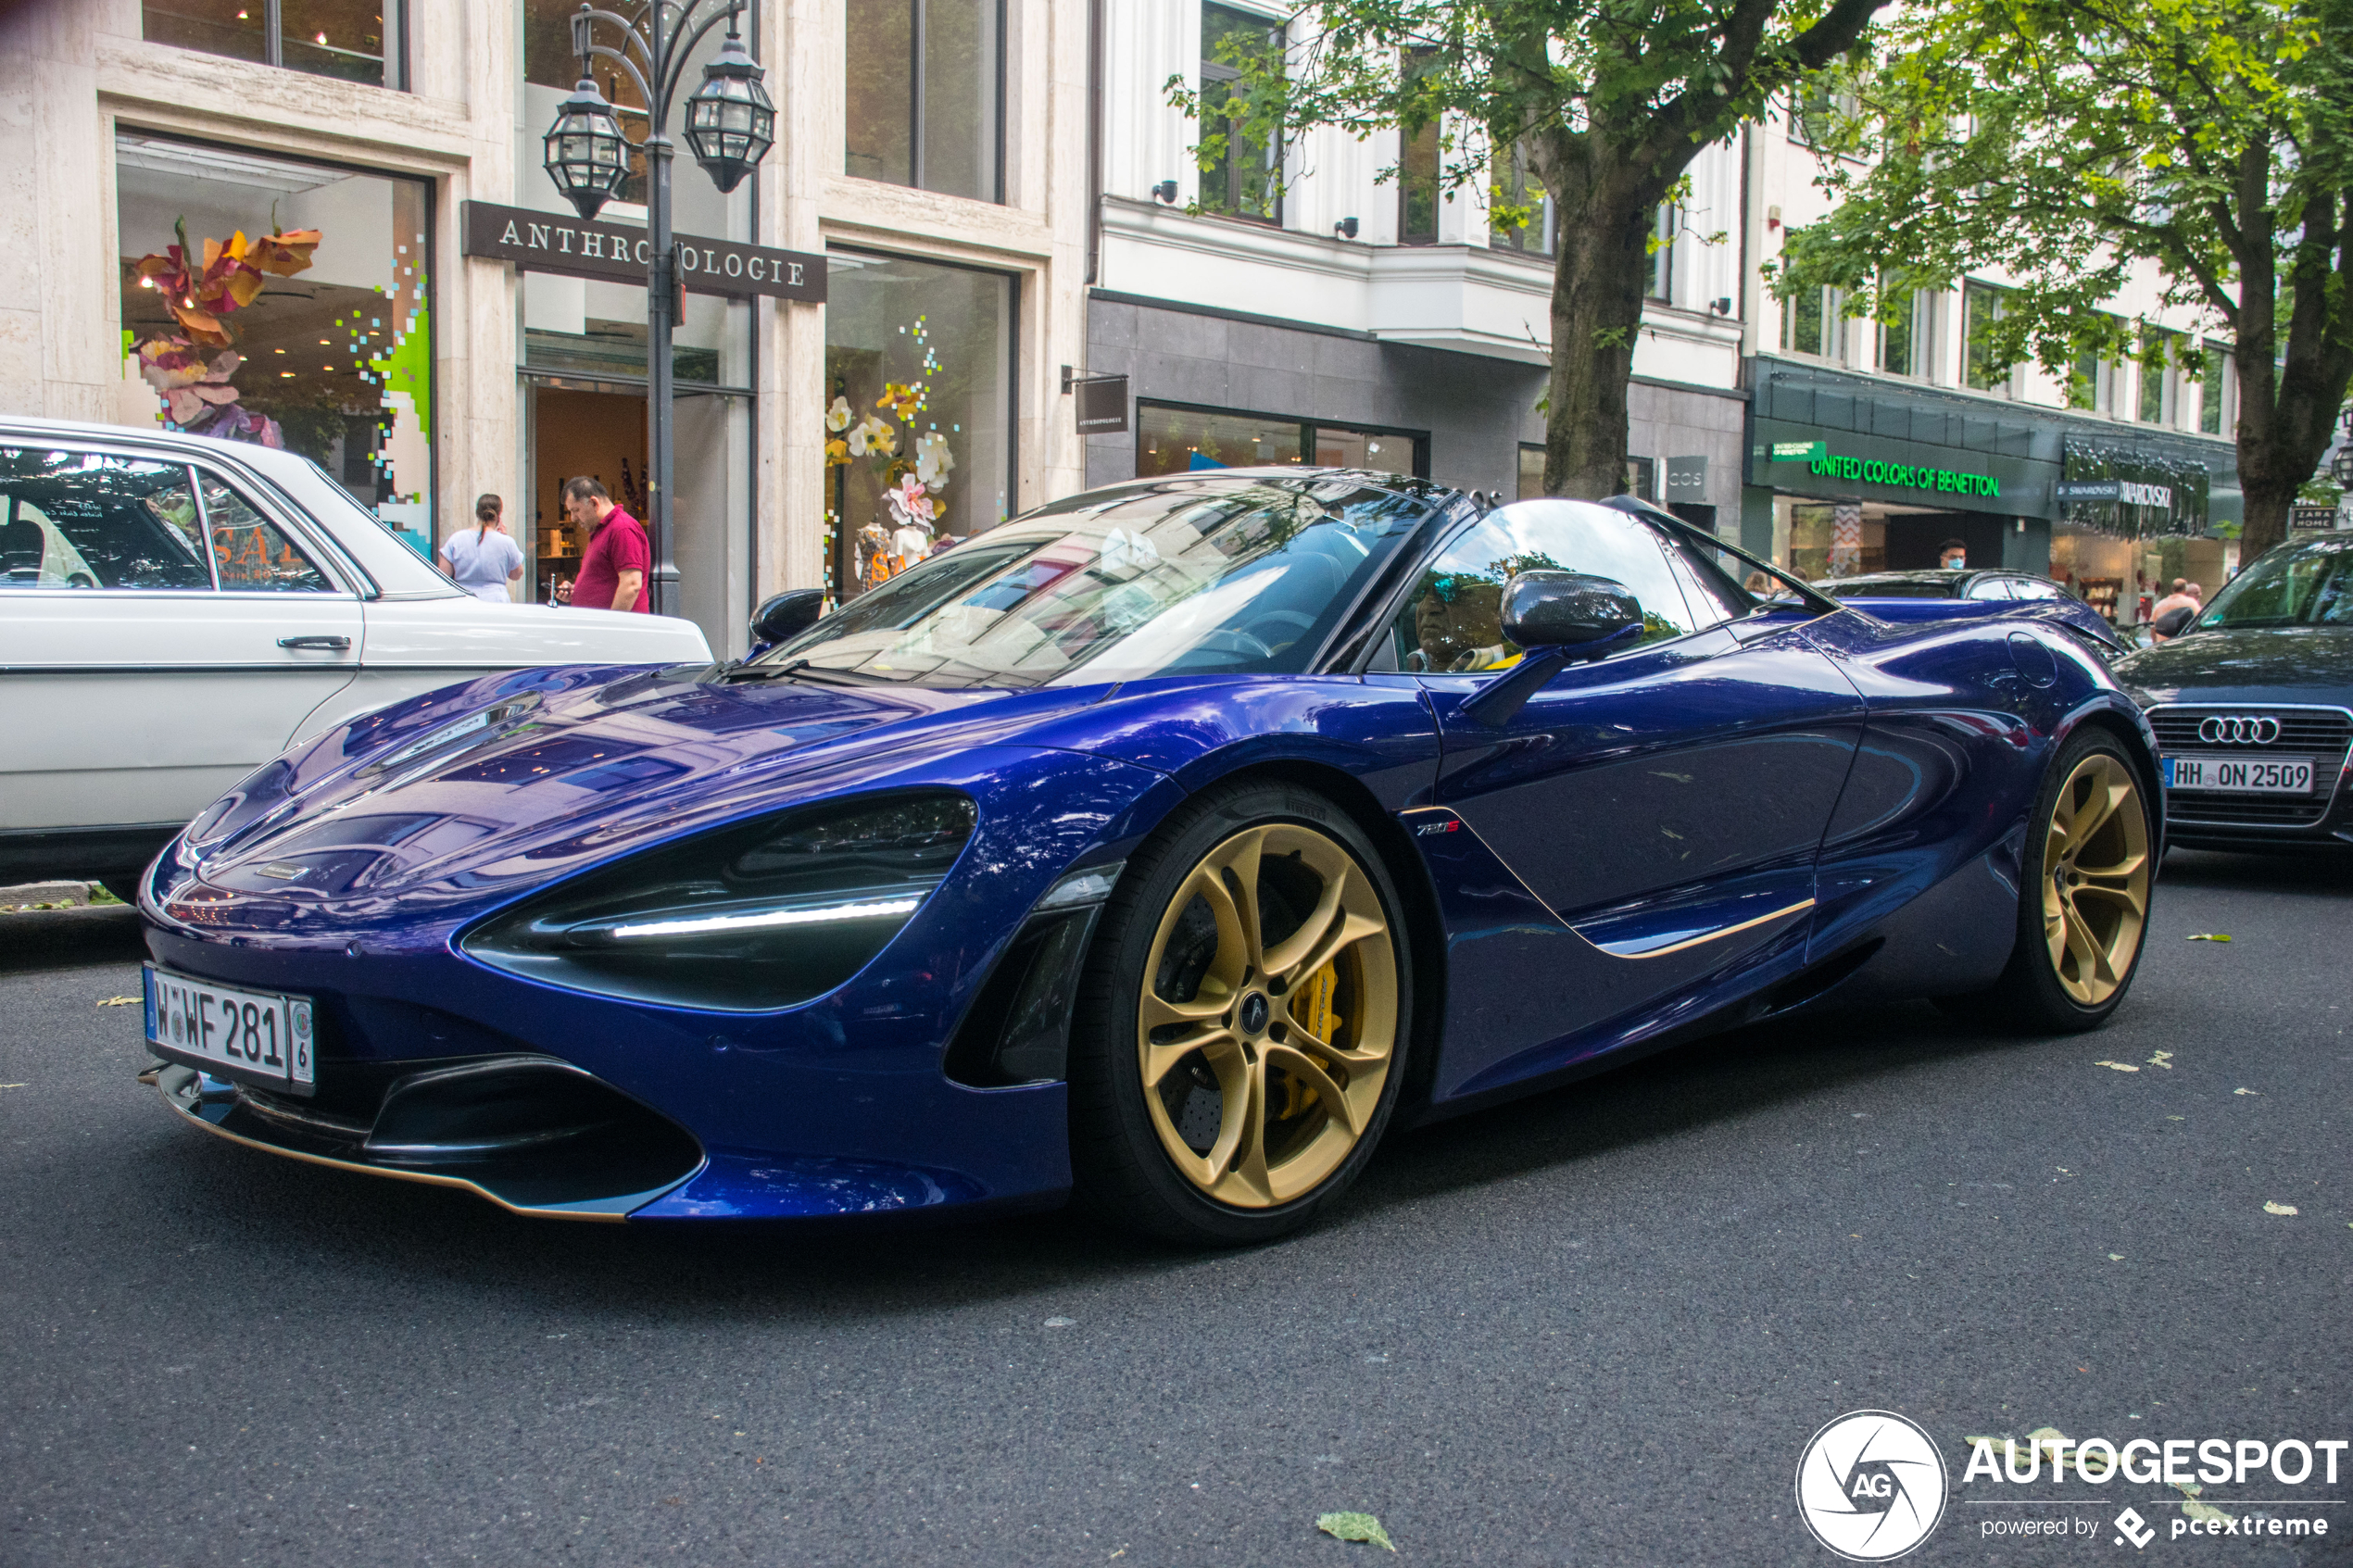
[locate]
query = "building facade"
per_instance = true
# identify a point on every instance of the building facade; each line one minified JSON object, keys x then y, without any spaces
{"x":989,"y":201}
{"x":930,"y":156}
{"x":1342,"y":315}
{"x":1878,"y":444}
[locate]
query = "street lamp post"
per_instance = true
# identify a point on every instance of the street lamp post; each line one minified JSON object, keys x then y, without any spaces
{"x":730,"y":126}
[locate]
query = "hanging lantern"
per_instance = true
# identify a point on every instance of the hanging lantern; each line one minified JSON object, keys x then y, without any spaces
{"x":730,"y":122}
{"x":588,"y":156}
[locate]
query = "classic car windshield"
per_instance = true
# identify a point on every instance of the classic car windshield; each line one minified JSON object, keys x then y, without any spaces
{"x":1885,"y":588}
{"x":1231,"y":575}
{"x":2303,"y":585}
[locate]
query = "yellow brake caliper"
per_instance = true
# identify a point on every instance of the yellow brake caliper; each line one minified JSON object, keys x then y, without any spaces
{"x":1311,"y":1007}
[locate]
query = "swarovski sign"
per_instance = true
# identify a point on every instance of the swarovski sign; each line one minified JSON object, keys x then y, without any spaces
{"x":621,"y":252}
{"x":2130,"y":491}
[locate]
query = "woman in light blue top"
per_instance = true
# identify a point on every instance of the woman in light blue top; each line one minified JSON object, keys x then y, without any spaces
{"x":484,"y":561}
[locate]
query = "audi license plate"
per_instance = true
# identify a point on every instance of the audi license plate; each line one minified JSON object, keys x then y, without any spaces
{"x":248,"y":1034}
{"x":2271,"y":776}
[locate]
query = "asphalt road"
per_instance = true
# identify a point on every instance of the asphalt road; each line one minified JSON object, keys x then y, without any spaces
{"x":1598,"y":1326}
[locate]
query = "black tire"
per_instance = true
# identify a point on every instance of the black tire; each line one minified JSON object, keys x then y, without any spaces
{"x":1124,"y":1154}
{"x":2039,"y":992}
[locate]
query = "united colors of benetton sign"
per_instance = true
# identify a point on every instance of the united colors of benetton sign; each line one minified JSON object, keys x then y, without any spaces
{"x":548,"y":242}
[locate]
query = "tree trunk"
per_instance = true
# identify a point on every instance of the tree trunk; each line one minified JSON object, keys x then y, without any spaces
{"x":1599,"y":279}
{"x":2288,"y":402}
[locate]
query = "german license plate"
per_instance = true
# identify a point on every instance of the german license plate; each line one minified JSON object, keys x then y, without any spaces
{"x":2268,"y":775}
{"x":248,"y":1034}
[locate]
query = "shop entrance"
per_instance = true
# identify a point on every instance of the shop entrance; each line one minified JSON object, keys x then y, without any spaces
{"x":575,"y":431}
{"x":1917,"y":540}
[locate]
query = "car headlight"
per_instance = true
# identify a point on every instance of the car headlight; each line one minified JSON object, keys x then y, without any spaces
{"x":768,"y":914}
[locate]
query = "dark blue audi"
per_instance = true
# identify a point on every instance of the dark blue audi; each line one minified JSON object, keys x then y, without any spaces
{"x":1162,"y":846}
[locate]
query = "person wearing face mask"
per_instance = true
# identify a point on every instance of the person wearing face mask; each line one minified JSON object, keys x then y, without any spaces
{"x":1951,"y":555}
{"x":485,"y":560}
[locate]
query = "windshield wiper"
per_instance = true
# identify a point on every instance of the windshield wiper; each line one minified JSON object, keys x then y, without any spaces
{"x":805,"y":669}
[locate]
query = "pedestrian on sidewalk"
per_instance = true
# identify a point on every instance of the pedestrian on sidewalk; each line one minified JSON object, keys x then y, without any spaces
{"x":2171,"y":615}
{"x":613,"y":567}
{"x":484,"y":561}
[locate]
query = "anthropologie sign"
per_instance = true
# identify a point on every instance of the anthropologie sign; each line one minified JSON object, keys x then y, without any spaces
{"x":1826,"y":464}
{"x":554,"y":242}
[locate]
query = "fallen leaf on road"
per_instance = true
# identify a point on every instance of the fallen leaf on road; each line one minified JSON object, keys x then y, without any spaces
{"x":2162,"y":1059}
{"x":2210,"y":936}
{"x":2270,"y":1207}
{"x":2116,"y":1257}
{"x":1355,"y":1527}
{"x":2246,"y":1092}
{"x":2195,"y":1508}
{"x":2119,"y":1066}
{"x":120,"y":1001}
{"x":15,"y":1085}
{"x":1060,"y":1323}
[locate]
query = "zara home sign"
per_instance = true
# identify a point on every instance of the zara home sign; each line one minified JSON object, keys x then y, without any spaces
{"x":552,"y":242}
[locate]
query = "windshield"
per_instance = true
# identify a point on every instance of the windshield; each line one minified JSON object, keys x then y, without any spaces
{"x":2302,"y":585}
{"x":1231,"y":575}
{"x":1885,"y":588}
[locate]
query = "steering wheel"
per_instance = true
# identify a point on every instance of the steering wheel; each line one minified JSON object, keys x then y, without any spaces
{"x":1300,"y":619}
{"x":1226,"y":640}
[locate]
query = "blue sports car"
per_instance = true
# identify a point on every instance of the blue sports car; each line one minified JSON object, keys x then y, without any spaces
{"x":1162,"y":846}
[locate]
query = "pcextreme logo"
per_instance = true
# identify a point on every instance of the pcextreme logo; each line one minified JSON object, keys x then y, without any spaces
{"x":1871,"y":1485}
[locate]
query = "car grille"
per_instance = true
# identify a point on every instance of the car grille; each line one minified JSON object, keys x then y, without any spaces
{"x":2226,"y":810}
{"x":2303,"y":731}
{"x":2319,"y":733}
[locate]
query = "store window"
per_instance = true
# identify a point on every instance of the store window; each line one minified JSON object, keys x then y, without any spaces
{"x":1982,"y":366}
{"x":319,"y":341}
{"x":919,"y":420}
{"x":1239,"y":180}
{"x":351,"y":39}
{"x":924,"y":92}
{"x":1522,"y":208}
{"x":1171,"y":439}
{"x":1419,"y":185}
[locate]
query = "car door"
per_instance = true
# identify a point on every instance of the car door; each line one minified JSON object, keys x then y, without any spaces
{"x":164,"y":642}
{"x":1666,"y":803}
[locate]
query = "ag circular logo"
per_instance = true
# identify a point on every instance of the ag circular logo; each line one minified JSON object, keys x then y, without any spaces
{"x":1871,"y":1485}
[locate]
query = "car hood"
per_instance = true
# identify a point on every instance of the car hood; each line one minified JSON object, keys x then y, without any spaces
{"x":481,"y":791}
{"x":2273,"y":664}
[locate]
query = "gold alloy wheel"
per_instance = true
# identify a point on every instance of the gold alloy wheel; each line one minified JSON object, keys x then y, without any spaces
{"x":1268,"y":1022}
{"x":2096,"y":878}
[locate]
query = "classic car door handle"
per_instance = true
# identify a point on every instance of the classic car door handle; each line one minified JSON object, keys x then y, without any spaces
{"x":334,"y":642}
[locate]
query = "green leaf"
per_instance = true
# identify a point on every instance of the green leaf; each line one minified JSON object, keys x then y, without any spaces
{"x":1355,"y":1527}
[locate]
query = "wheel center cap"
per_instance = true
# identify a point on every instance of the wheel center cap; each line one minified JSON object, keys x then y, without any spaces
{"x":1255,"y":1013}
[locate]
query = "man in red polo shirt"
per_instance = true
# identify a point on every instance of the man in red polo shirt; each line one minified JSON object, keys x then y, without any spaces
{"x":613,"y":567}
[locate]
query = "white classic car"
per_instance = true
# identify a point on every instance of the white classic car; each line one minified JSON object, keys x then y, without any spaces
{"x":176,"y":610}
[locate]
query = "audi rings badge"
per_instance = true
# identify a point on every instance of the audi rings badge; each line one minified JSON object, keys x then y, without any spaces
{"x":2239,"y":728}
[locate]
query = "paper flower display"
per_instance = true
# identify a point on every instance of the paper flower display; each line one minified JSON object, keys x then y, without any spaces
{"x":838,"y":415}
{"x":908,"y":503}
{"x":933,"y":459}
{"x":872,"y":438}
{"x":197,"y":395}
{"x":229,"y":278}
